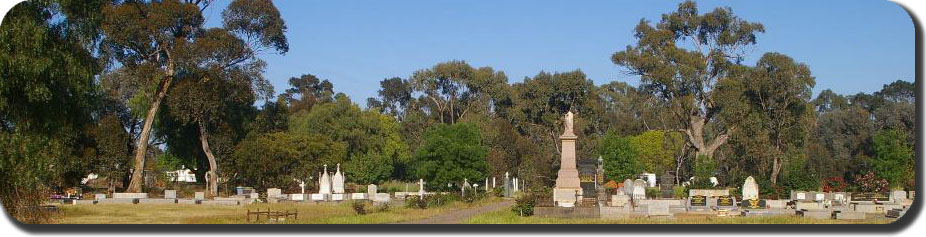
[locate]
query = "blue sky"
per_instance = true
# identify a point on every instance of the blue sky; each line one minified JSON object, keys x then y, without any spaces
{"x":850,"y":46}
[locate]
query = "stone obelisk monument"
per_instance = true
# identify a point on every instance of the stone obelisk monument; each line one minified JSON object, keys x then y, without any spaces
{"x":567,"y":180}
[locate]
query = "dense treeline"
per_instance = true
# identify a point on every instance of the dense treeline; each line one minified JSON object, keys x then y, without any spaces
{"x":117,"y":88}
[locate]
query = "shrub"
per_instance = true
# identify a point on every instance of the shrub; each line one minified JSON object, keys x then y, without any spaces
{"x":524,"y":205}
{"x":415,"y":202}
{"x":834,"y":184}
{"x":869,"y":182}
{"x":680,"y":191}
{"x":359,"y":207}
{"x":653,"y":192}
{"x":498,"y":192}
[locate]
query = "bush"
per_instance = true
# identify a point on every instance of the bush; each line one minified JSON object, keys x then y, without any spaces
{"x":524,"y":205}
{"x":415,"y":202}
{"x":382,"y":207}
{"x":498,"y":192}
{"x":680,"y":191}
{"x":359,"y":207}
{"x":653,"y":192}
{"x":440,"y":199}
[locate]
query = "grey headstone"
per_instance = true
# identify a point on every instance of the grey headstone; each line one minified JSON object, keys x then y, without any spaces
{"x":170,"y":194}
{"x":199,"y":196}
{"x":99,"y":196}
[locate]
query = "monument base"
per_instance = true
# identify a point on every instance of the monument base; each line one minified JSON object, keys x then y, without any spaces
{"x":566,"y":197}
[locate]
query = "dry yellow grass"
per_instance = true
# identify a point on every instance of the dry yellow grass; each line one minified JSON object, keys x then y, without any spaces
{"x":341,"y":213}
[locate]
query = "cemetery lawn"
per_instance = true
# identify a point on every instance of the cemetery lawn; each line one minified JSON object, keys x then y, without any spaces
{"x":508,"y":217}
{"x":341,"y":213}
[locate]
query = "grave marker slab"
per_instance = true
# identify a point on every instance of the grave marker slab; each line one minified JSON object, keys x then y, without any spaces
{"x":99,"y":196}
{"x":129,"y":195}
{"x":199,"y":196}
{"x":754,"y":204}
{"x":274,"y":193}
{"x":170,"y":194}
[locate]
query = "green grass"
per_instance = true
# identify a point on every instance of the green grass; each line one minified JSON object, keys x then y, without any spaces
{"x":508,"y":217}
{"x":341,"y":213}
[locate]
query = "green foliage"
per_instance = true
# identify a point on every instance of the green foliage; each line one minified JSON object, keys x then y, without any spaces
{"x":680,"y":192}
{"x":450,"y":154}
{"x":704,"y":168}
{"x":374,"y":146}
{"x":524,"y":205}
{"x":798,"y":177}
{"x":893,"y":158}
{"x":620,"y":158}
{"x":274,"y":160}
{"x":656,"y":150}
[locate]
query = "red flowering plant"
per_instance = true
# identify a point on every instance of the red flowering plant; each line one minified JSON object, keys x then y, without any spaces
{"x":834,"y":184}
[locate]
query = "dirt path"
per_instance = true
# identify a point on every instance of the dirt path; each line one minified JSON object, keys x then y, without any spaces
{"x":456,"y":217}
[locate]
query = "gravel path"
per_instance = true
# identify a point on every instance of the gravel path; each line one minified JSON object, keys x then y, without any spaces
{"x":457,"y":217}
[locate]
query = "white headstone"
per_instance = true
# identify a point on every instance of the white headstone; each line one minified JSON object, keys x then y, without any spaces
{"x":297,"y":197}
{"x":99,"y":196}
{"x":487,"y":184}
{"x":639,"y":189}
{"x":750,"y":189}
{"x":170,"y":194}
{"x":324,"y":183}
{"x":199,"y":196}
{"x":800,"y":196}
{"x":819,"y":197}
{"x":421,"y":187}
{"x":899,"y":195}
{"x":318,"y":197}
{"x":628,"y":187}
{"x":274,"y":193}
{"x":337,"y":182}
{"x":371,"y":190}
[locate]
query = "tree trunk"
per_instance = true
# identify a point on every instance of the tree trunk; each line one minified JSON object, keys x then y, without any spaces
{"x":212,"y":182}
{"x":141,"y":148}
{"x":776,"y":168}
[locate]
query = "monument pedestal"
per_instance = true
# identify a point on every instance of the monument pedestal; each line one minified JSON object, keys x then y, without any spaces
{"x":567,"y":187}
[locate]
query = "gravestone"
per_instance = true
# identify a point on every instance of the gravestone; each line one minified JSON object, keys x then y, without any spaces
{"x":129,"y":195}
{"x":465,"y":185}
{"x":254,"y":195}
{"x":639,"y":189}
{"x":750,"y":189}
{"x":297,"y":197}
{"x":628,"y":187}
{"x":358,"y":196}
{"x":371,"y":190}
{"x":754,"y":204}
{"x":567,"y":185}
{"x":381,"y":197}
{"x":657,"y":209}
{"x":337,"y":182}
{"x":899,"y":196}
{"x":274,"y":193}
{"x":799,"y":195}
{"x":338,"y":197}
{"x":819,"y":197}
{"x":871,"y":197}
{"x":912,"y":195}
{"x":170,"y":194}
{"x":697,"y":201}
{"x":199,"y":196}
{"x":317,"y":197}
{"x":421,"y":188}
{"x":324,"y":183}
{"x":708,"y":192}
{"x":726,"y":201}
{"x":99,"y":196}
